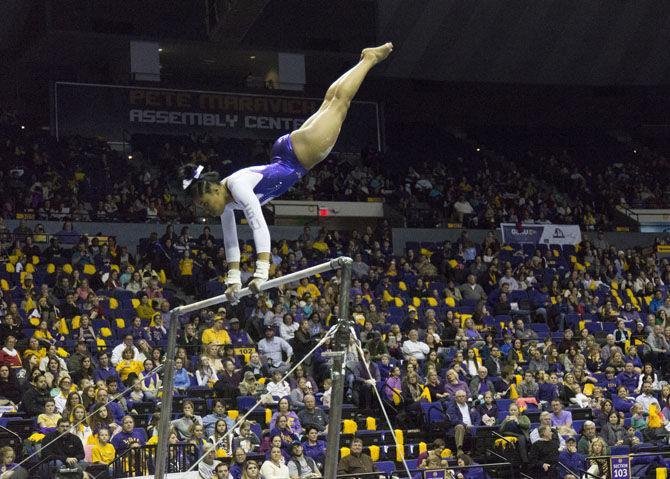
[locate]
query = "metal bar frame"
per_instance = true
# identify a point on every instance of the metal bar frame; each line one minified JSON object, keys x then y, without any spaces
{"x":343,"y":263}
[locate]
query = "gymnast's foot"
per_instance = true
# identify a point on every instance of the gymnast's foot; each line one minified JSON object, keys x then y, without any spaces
{"x":377,"y":54}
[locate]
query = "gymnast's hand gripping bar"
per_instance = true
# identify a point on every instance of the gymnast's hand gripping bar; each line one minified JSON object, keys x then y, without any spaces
{"x":331,"y":265}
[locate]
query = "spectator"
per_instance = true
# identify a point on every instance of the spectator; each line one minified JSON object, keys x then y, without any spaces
{"x":356,"y":462}
{"x":544,"y":454}
{"x":271,"y":350}
{"x":274,"y":468}
{"x":64,"y":448}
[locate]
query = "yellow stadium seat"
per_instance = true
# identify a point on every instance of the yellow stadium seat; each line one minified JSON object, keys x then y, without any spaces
{"x":9,"y":267}
{"x":162,"y":277}
{"x":374,"y":453}
{"x":35,"y":259}
{"x":62,"y":327}
{"x":386,"y":296}
{"x":432,"y":302}
{"x":423,"y":447}
{"x":344,"y":452}
{"x":30,"y":268}
{"x":67,"y":268}
{"x":402,"y":286}
{"x":371,"y":423}
{"x":398,"y":302}
{"x":453,"y":263}
{"x":13,"y":259}
{"x":233,"y":414}
{"x":89,"y":269}
{"x":62,"y":353}
{"x":349,"y":426}
{"x":106,"y":332}
{"x":136,"y":302}
{"x":451,"y":302}
{"x":113,"y":303}
{"x":588,"y":389}
{"x":120,"y":323}
{"x":4,"y":284}
{"x":75,"y":322}
{"x":503,"y":443}
{"x":268,"y":416}
{"x":573,"y":258}
{"x":447,"y":453}
{"x":51,"y":268}
{"x":416,"y":302}
{"x":101,"y":344}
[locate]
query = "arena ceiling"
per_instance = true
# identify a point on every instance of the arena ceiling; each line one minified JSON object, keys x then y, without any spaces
{"x":591,"y":42}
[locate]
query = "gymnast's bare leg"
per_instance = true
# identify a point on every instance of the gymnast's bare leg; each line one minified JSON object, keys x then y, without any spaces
{"x":313,"y":141}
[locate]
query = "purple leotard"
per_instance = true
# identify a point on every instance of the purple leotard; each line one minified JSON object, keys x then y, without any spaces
{"x":282,"y":173}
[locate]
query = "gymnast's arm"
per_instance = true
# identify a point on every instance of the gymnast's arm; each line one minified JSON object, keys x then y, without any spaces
{"x":241,"y":187}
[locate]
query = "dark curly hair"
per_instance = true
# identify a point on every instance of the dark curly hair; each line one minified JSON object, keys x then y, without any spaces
{"x":203,"y":184}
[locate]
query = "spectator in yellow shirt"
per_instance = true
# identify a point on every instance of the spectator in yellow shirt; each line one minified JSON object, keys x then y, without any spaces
{"x":145,"y":310}
{"x":103,"y":452}
{"x":128,"y":365}
{"x":186,"y":264}
{"x":307,"y":287}
{"x":216,"y":334}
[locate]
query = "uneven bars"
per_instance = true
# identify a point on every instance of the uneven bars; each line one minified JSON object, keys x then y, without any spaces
{"x":168,"y":376}
{"x":336,"y":263}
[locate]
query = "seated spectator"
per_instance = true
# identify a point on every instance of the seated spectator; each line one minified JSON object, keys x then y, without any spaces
{"x":518,"y":426}
{"x":561,"y":419}
{"x":356,"y":462}
{"x":182,"y":377}
{"x":63,"y":448}
{"x":301,"y":466}
{"x":238,"y":336}
{"x":184,"y":424}
{"x":219,"y":413}
{"x":216,"y":334}
{"x":453,"y":384}
{"x":205,"y":374}
{"x":412,"y":347}
{"x":313,"y":416}
{"x":129,"y":369}
{"x":271,"y":349}
{"x":49,"y":417}
{"x":274,"y":468}
{"x":462,"y":416}
{"x":544,"y":454}
{"x":598,"y":465}
{"x":545,"y":420}
{"x":9,"y":355}
{"x":150,"y":381}
{"x":35,"y":396}
{"x":646,"y":398}
{"x":249,"y":386}
{"x":10,"y":389}
{"x":246,"y":439}
{"x":117,"y":352}
{"x":613,"y":432}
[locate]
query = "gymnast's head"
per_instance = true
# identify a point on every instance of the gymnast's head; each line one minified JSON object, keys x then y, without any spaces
{"x":205,"y":188}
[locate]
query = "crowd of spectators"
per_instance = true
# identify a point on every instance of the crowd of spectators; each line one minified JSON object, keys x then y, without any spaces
{"x":561,"y":350}
{"x":47,"y":179}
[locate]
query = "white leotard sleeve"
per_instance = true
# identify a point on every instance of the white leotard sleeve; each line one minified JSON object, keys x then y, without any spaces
{"x":230,"y":241}
{"x":241,"y":185}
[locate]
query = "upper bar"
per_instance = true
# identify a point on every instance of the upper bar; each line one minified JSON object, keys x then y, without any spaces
{"x":273,"y":283}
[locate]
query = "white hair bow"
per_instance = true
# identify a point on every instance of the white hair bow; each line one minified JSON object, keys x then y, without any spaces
{"x":186,"y":183}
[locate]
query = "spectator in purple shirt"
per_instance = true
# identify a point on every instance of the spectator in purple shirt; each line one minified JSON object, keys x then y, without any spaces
{"x":238,"y":336}
{"x":561,"y":419}
{"x":628,"y":378}
{"x":105,"y":370}
{"x":453,"y":384}
{"x":128,"y":436}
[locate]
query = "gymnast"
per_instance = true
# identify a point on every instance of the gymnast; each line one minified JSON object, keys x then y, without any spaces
{"x":293,"y":155}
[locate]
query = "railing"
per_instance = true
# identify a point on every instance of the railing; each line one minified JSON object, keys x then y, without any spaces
{"x":139,"y":461}
{"x":498,"y":469}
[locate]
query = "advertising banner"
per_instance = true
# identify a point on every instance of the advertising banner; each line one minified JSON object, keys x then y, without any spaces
{"x":540,"y":234}
{"x":113,"y":111}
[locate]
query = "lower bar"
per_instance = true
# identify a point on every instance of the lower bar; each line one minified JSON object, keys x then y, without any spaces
{"x":273,"y":283}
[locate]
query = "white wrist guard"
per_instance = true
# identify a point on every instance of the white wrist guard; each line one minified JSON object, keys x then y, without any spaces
{"x":262,"y":270}
{"x":234,"y":277}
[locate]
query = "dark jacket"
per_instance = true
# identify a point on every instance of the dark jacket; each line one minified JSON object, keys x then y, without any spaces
{"x":33,"y":400}
{"x":11,"y":389}
{"x":456,"y":417}
{"x":68,"y":445}
{"x":355,"y":464}
{"x":543,"y":452}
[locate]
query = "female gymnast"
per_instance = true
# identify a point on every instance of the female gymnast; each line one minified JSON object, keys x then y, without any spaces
{"x":293,"y":155}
